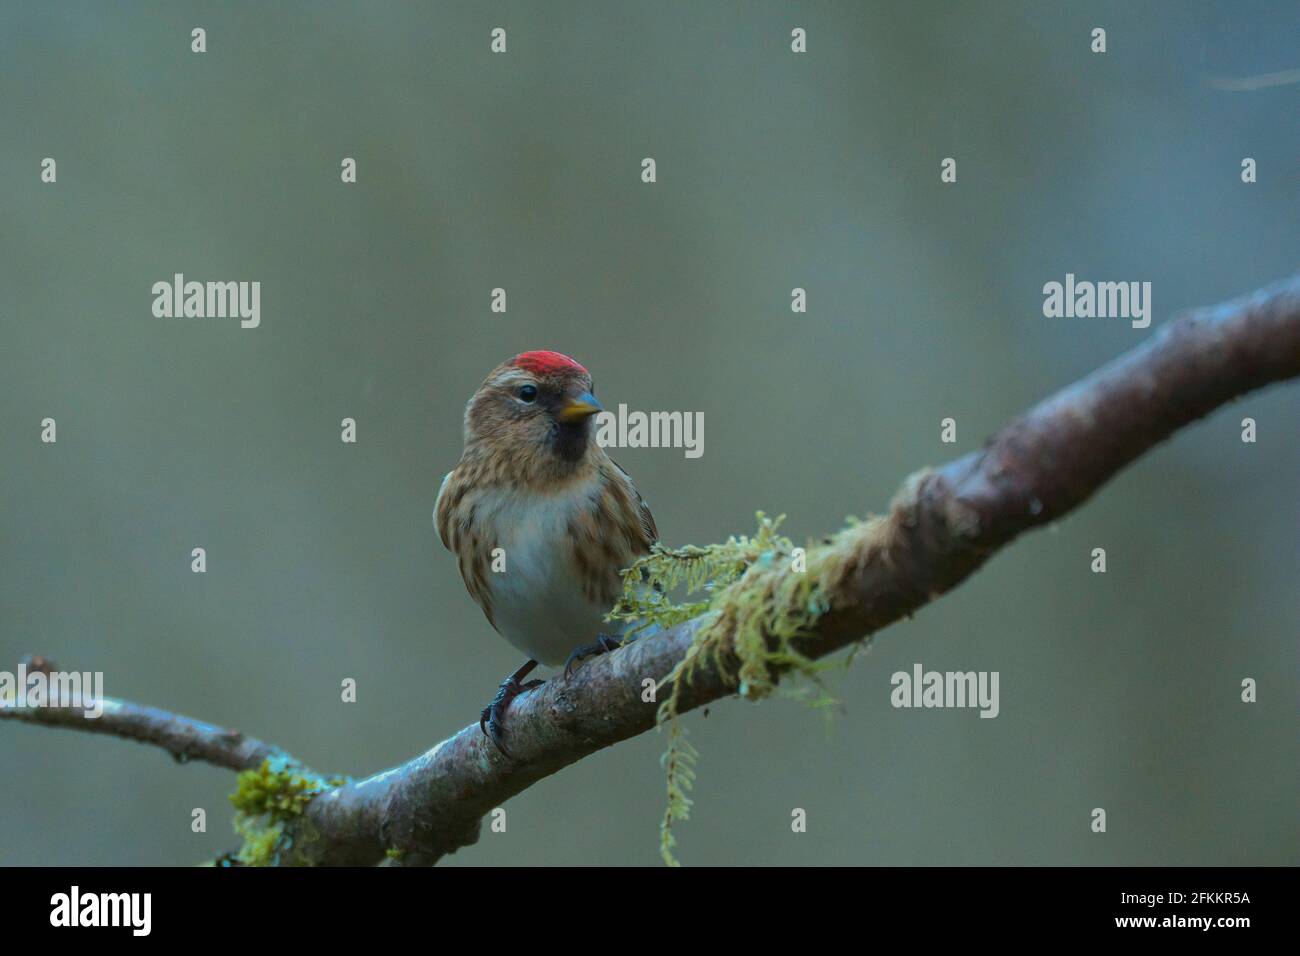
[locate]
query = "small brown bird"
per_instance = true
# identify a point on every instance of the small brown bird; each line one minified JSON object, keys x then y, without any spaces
{"x":567,"y":519}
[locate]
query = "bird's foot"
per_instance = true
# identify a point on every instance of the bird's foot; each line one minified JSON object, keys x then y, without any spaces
{"x":490,"y":720}
{"x":603,"y":644}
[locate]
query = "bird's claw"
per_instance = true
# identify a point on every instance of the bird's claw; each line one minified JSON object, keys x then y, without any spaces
{"x":603,"y":644}
{"x":491,"y":719}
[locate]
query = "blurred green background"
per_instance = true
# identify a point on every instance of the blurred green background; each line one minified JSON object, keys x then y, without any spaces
{"x":522,"y":171}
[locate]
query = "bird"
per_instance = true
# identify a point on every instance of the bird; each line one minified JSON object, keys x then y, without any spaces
{"x":540,"y":519}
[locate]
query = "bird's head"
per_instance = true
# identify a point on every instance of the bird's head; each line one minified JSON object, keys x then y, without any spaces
{"x":533,"y":413}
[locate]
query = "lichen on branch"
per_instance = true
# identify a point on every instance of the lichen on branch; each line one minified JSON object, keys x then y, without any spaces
{"x":267,"y":798}
{"x":760,"y":596}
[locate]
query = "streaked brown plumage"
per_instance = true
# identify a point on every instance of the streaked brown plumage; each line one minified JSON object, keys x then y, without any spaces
{"x":533,"y":482}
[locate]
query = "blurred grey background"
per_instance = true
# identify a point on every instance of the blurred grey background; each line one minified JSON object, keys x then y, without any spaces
{"x":522,"y":171}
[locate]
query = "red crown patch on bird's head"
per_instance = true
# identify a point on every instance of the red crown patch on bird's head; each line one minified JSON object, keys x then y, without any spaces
{"x":546,"y":363}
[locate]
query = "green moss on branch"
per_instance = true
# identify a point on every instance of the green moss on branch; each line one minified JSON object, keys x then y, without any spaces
{"x":761,"y":595}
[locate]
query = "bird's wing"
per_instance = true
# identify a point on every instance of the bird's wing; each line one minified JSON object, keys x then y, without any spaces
{"x":647,"y":519}
{"x":440,"y":516}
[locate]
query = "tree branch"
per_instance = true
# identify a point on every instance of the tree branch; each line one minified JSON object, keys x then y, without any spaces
{"x":943,"y":524}
{"x":183,"y":737}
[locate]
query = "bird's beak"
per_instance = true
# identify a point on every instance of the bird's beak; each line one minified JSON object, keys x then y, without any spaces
{"x":584,"y":406}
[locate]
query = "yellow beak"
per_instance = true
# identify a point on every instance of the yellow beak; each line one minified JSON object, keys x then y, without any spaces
{"x":584,"y":406}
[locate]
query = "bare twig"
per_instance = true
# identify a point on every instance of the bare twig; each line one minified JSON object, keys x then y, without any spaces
{"x":183,"y":737}
{"x":943,"y":524}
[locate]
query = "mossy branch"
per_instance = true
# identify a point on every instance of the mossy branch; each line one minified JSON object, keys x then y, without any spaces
{"x":762,"y":617}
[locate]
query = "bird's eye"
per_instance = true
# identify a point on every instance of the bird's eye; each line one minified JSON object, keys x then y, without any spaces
{"x":528,"y":393}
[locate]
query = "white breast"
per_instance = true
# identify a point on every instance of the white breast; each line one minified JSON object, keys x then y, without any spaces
{"x":537,"y":601}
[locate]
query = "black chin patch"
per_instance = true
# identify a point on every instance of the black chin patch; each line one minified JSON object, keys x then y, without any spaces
{"x":569,"y":442}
